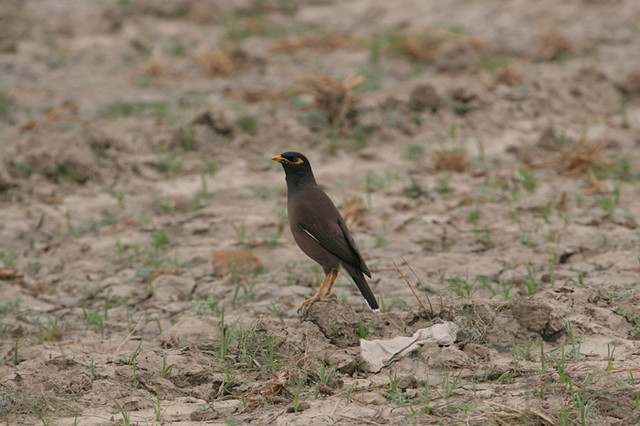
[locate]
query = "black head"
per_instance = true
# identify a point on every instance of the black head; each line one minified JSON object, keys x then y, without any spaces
{"x":296,"y":167}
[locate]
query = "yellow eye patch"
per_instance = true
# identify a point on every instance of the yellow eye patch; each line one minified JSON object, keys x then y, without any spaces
{"x":281,"y":159}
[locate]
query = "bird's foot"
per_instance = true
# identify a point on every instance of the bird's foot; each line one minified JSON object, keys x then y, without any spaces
{"x":310,"y":300}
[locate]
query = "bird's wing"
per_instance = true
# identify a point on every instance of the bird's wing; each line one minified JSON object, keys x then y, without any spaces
{"x":337,"y":240}
{"x":349,"y":238}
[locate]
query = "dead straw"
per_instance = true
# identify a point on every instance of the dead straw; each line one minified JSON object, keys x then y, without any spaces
{"x":128,"y":336}
{"x":412,"y":290}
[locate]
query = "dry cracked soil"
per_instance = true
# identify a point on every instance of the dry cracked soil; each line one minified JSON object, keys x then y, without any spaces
{"x":484,"y":153}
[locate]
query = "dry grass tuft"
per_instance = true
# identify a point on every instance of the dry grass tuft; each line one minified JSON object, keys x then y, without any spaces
{"x":454,"y":160}
{"x":424,"y":47}
{"x":582,"y":156}
{"x":509,"y":75}
{"x":595,"y":187}
{"x":8,"y":273}
{"x":325,"y":42}
{"x":333,"y":96}
{"x":274,"y":391}
{"x":579,"y":158}
{"x":216,"y":63}
{"x":15,"y":405}
{"x":164,"y":271}
{"x":428,"y":315}
{"x":201,"y":12}
{"x":259,"y":94}
{"x":276,"y":387}
{"x":554,"y":44}
{"x":67,"y":111}
{"x":156,"y":63}
{"x":505,"y":414}
{"x":418,"y":47}
{"x":353,"y":210}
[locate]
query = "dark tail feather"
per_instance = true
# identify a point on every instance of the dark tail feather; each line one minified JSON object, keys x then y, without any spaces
{"x":358,"y":278}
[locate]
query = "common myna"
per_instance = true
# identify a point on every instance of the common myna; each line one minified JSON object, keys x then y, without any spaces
{"x":320,"y":231}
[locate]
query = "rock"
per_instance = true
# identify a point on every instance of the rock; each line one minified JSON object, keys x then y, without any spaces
{"x":221,"y":120}
{"x":337,"y":321}
{"x":172,"y":288}
{"x":62,"y":157}
{"x":457,"y":56}
{"x":424,"y":96}
{"x":227,"y":407}
{"x":372,"y":398}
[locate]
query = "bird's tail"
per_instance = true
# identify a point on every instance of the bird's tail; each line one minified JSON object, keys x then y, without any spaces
{"x":358,"y":278}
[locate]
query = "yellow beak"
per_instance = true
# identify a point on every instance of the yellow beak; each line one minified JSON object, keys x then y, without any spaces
{"x":279,"y":159}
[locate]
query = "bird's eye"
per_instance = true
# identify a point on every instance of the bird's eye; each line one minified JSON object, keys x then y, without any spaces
{"x":294,"y":160}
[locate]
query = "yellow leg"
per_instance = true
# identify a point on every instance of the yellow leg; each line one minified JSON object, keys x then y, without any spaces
{"x":313,"y":299}
{"x":334,"y":275}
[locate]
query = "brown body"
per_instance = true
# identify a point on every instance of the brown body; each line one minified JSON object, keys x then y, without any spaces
{"x":320,"y":211}
{"x":319,"y":230}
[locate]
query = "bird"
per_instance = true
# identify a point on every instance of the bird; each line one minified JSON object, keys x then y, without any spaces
{"x":320,"y":231}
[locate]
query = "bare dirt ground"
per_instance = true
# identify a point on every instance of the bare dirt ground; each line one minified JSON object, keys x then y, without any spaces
{"x":148,"y":275}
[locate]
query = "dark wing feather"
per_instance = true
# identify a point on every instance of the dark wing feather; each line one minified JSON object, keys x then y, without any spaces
{"x":347,"y":235}
{"x":337,"y":240}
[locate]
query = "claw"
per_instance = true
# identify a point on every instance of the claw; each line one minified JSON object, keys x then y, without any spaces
{"x":310,"y":300}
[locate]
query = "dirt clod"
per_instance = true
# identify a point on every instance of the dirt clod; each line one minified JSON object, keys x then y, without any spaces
{"x":425,"y":96}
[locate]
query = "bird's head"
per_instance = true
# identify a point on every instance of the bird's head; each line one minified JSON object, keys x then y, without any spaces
{"x":296,"y":167}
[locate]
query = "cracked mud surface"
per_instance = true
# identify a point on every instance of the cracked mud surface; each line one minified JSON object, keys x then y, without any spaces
{"x":147,"y":268}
